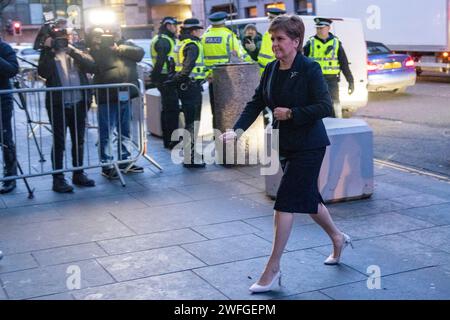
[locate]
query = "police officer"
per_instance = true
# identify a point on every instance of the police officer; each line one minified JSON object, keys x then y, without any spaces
{"x":163,"y":56}
{"x":266,"y":54}
{"x":220,"y":45}
{"x":190,"y":75}
{"x":327,"y":50}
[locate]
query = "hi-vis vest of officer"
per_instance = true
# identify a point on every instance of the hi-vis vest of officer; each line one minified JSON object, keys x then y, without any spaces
{"x":218,"y":43}
{"x":327,"y":58}
{"x":170,"y":55}
{"x":199,"y":71}
{"x":265,"y":55}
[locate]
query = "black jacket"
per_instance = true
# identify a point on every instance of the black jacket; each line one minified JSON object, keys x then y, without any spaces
{"x":306,"y":93}
{"x":117,"y":67}
{"x":47,"y":69}
{"x":342,"y":57}
{"x":9,"y":67}
{"x":162,"y":47}
{"x":190,"y":53}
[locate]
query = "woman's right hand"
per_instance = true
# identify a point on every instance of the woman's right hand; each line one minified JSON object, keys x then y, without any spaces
{"x":228,"y":136}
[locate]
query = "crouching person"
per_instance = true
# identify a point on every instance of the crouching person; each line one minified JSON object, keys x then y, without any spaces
{"x":62,"y":65}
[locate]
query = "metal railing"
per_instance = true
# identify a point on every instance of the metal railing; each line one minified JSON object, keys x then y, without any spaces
{"x":118,"y":141}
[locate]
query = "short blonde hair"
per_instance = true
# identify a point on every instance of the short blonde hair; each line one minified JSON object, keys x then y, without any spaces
{"x":292,"y":25}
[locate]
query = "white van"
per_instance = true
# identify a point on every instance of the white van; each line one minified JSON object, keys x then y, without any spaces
{"x":350,"y":32}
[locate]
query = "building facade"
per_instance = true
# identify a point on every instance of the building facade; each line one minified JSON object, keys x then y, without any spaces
{"x":239,"y":9}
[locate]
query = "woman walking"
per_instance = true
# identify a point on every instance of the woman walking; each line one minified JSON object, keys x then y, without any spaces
{"x":294,"y":89}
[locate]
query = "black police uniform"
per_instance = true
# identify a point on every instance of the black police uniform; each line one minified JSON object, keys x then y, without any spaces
{"x":169,"y":96}
{"x":190,"y":92}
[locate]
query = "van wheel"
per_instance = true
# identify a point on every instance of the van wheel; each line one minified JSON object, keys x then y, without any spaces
{"x":400,"y":90}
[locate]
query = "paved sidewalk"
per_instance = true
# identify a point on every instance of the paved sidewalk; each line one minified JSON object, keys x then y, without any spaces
{"x":206,"y":234}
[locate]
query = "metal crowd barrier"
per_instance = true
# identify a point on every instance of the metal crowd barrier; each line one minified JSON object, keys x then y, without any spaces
{"x":80,"y":108}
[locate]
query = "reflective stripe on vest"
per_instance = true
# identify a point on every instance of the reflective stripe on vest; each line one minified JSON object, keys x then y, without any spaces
{"x":328,"y":61}
{"x":199,"y":71}
{"x":171,"y":53}
{"x":265,"y":55}
{"x":217,"y":43}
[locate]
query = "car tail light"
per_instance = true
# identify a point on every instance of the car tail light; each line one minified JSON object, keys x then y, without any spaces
{"x":409,"y":62}
{"x":371,"y":66}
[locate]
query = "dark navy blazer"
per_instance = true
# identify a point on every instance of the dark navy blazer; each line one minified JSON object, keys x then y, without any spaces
{"x":305,"y":92}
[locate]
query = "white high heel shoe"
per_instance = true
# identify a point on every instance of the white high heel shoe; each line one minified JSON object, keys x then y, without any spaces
{"x":333,"y":261}
{"x":276,"y":282}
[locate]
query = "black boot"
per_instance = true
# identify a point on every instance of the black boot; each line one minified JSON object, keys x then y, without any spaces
{"x":81,"y":179}
{"x":8,"y":186}
{"x":9,"y":168}
{"x":60,"y":184}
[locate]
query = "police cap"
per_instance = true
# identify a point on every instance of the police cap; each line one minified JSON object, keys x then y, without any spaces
{"x":192,"y":23}
{"x":218,"y":17}
{"x":170,"y":20}
{"x":274,"y":12}
{"x":322,"y":22}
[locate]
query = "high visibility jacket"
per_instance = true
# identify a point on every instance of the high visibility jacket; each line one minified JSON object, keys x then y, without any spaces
{"x":170,"y":55}
{"x":327,"y":58}
{"x":265,"y":54}
{"x":218,"y":43}
{"x":199,"y":71}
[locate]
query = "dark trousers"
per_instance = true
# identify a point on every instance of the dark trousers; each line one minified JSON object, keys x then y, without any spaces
{"x":6,"y":139}
{"x":170,"y":111}
{"x":62,"y":118}
{"x":333,"y":88}
{"x":191,"y":103}
{"x":211,"y":101}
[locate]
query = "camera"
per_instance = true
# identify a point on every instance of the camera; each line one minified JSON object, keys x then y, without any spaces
{"x":106,"y":40}
{"x":53,"y":30}
{"x":248,"y":39}
{"x":59,"y":38}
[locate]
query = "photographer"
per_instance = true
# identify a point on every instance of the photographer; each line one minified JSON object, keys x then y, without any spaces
{"x":62,"y":65}
{"x":252,"y":41}
{"x":9,"y":68}
{"x":116,"y":62}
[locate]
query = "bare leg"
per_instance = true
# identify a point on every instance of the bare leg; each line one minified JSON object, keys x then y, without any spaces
{"x":323,"y":219}
{"x":282,"y":229}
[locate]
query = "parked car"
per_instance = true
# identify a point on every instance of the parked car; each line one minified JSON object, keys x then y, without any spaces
{"x":25,"y":52}
{"x":146,"y":64}
{"x":388,"y":71}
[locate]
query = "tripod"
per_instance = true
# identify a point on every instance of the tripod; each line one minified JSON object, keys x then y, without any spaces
{"x":23,"y":106}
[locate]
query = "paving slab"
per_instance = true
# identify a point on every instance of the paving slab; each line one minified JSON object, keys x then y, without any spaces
{"x":302,"y":237}
{"x":71,"y":231}
{"x":423,"y":284}
{"x":438,"y":214}
{"x":190,"y":214}
{"x":302,"y":271}
{"x":175,"y":286}
{"x":58,"y":296}
{"x":226,"y":229}
{"x":85,"y":251}
{"x":363,"y":208}
{"x":17,"y":262}
{"x":391,"y":254}
{"x":142,"y":264}
{"x":421,"y":200}
{"x":229,"y":249}
{"x":438,"y":237}
{"x":380,"y":224}
{"x":150,"y":241}
{"x":265,"y":224}
{"x":216,"y":190}
{"x":161,"y":197}
{"x":52,"y":280}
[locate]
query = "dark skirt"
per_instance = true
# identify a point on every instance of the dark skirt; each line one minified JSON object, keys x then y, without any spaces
{"x":298,"y":191}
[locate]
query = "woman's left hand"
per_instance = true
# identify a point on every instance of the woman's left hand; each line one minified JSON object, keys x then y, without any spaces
{"x":281,"y":113}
